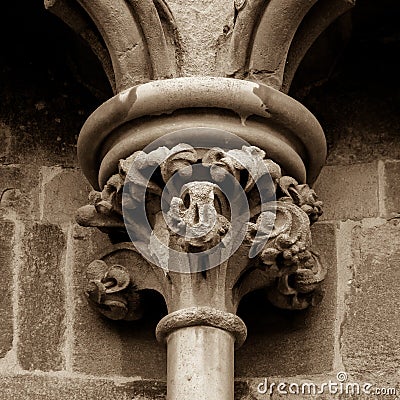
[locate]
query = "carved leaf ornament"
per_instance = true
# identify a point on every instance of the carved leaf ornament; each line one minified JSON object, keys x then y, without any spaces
{"x":277,"y":230}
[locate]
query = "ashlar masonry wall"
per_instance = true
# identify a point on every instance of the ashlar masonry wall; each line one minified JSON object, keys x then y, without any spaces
{"x":53,"y":346}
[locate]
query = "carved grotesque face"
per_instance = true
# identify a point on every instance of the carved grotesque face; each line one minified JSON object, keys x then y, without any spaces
{"x":194,"y":216}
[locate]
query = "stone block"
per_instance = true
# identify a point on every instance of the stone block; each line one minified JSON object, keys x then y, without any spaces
{"x":31,"y":387}
{"x":19,"y":190}
{"x":370,"y":340}
{"x":42,"y":304}
{"x":349,"y":191}
{"x":103,"y":347}
{"x":63,"y":191}
{"x":6,"y":268}
{"x":391,"y":188}
{"x":292,"y":342}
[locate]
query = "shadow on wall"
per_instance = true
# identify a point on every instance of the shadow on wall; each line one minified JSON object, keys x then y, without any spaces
{"x":43,"y":100}
{"x":356,"y":96}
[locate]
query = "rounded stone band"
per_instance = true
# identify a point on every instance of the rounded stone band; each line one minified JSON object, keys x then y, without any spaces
{"x":263,"y":116}
{"x":202,"y":316}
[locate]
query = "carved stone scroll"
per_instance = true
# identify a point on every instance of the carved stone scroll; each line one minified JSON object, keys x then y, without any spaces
{"x":111,"y":292}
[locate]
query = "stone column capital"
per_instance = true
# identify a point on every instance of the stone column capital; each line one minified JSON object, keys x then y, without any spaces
{"x":210,"y":238}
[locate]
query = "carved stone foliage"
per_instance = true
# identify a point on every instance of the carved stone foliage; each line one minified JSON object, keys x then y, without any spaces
{"x":111,"y":292}
{"x":199,"y":215}
{"x":287,"y":256}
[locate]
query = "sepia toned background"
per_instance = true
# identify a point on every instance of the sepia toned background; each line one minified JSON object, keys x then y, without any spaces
{"x":53,"y":346}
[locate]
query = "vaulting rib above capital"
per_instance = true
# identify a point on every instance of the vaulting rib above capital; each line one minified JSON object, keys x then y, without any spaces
{"x":270,"y":38}
{"x":138,"y":41}
{"x":186,"y":216}
{"x":135,"y":40}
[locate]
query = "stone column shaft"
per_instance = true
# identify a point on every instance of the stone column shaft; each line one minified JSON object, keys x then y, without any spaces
{"x":200,"y":364}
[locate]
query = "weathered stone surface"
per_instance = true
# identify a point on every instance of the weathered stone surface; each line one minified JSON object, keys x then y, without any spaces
{"x":41,"y":305}
{"x":5,"y":139}
{"x":348,"y":192}
{"x":103,"y":347}
{"x":370,"y":341}
{"x":25,"y":387}
{"x":6,"y":268}
{"x":276,"y":338}
{"x":201,"y":27}
{"x":63,"y":191}
{"x":19,"y":189}
{"x":391,"y":181}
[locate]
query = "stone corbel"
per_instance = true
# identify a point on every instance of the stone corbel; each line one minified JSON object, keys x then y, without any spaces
{"x":202,"y":183}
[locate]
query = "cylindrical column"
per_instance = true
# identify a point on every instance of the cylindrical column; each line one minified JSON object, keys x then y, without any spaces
{"x":201,"y":343}
{"x":200,"y":364}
